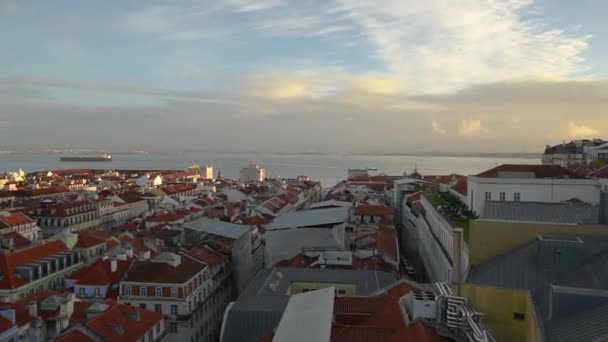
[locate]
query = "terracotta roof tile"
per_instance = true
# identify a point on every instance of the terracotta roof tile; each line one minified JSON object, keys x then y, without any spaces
{"x":539,"y":171}
{"x":86,"y":240}
{"x":10,"y":261}
{"x":18,"y":239}
{"x":5,"y":324}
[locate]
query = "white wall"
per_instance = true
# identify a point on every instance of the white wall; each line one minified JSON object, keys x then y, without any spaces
{"x":531,"y":190}
{"x":89,"y":291}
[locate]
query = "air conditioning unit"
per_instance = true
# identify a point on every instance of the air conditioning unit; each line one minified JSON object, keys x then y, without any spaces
{"x":420,"y":305}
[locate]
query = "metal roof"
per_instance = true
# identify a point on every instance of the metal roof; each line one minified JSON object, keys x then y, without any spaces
{"x":307,"y":317}
{"x":259,"y":308}
{"x":217,"y":227}
{"x":308,"y":218}
{"x":563,"y":212}
{"x":590,"y":325}
{"x":580,"y":263}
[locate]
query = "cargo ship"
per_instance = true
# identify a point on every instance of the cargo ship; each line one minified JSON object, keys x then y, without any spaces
{"x":103,"y":158}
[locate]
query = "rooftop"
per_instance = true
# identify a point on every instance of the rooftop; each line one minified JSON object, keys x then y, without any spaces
{"x":217,"y":227}
{"x":310,"y":218}
{"x":564,"y":212}
{"x":529,"y":171}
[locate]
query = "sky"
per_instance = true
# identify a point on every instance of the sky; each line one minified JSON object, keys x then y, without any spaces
{"x":351,"y":76}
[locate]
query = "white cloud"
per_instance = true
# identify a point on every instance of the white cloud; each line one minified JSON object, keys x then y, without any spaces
{"x":441,"y":46}
{"x":577,"y":131}
{"x":470,"y":127}
{"x":255,"y":5}
{"x":438,"y":129}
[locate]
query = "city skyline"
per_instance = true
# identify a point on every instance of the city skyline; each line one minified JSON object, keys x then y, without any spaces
{"x":335,"y":76}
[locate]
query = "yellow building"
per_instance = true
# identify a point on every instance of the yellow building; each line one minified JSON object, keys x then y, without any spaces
{"x":509,"y":313}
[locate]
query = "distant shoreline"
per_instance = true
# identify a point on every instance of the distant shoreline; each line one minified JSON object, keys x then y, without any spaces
{"x":368,"y":154}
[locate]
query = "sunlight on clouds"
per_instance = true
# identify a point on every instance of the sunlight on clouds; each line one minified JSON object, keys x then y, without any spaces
{"x":289,"y":90}
{"x":470,"y":128}
{"x":576,"y":131}
{"x":379,"y":85}
{"x":438,"y":129}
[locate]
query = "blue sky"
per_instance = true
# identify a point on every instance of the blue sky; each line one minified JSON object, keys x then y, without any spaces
{"x":387,"y":63}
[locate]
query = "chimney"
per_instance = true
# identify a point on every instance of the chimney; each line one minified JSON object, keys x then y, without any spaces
{"x":129,"y":251}
{"x":32,"y":309}
{"x":457,"y":259}
{"x":113,"y":265}
{"x":604,"y":207}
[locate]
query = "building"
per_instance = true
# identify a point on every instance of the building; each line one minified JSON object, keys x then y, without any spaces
{"x":54,"y":217}
{"x":289,"y":234}
{"x":566,"y":154}
{"x":258,"y":310}
{"x":101,"y":279}
{"x":505,"y":226}
{"x":110,"y":321}
{"x":41,"y":316}
{"x":565,"y":276}
{"x":597,"y":152}
{"x":181,"y":287}
{"x":529,"y":183}
{"x":37,"y":268}
{"x":18,"y":222}
{"x":252,"y":173}
{"x":242,"y":243}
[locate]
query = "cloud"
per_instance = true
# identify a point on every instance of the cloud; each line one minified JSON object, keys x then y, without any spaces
{"x":10,"y":7}
{"x":438,"y":129}
{"x":577,"y":131}
{"x":254,"y":5}
{"x":442,"y":46}
{"x":470,"y":128}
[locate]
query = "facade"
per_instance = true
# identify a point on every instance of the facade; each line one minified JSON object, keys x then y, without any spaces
{"x":17,"y":222}
{"x":599,"y":152}
{"x":242,"y":243}
{"x":41,"y":267}
{"x":54,"y":217}
{"x":530,"y":183}
{"x":182,"y":288}
{"x":252,"y":173}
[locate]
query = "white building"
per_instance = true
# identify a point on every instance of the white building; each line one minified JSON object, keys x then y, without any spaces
{"x":207,"y":172}
{"x":530,"y":183}
{"x":599,"y":152}
{"x":252,"y":173}
{"x":19,"y":223}
{"x":146,"y":181}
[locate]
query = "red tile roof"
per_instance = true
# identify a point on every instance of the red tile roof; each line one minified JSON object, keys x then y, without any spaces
{"x":87,"y":240}
{"x":100,"y":272}
{"x":539,"y":171}
{"x":378,"y":319}
{"x":21,"y":306}
{"x":160,"y":272}
{"x":74,"y":335}
{"x":5,"y":324}
{"x":462,"y":187}
{"x":13,"y":219}
{"x":18,"y":239}
{"x":373,"y":210}
{"x":10,"y":261}
{"x":206,"y":255}
{"x":133,"y":322}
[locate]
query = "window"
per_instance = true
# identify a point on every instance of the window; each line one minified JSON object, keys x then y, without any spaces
{"x":142,"y":305}
{"x":97,"y":292}
{"x":159,"y":292}
{"x":519,"y":316}
{"x":488,"y":196}
{"x":158,"y":307}
{"x":81,"y":292}
{"x":143,"y":291}
{"x":157,"y":327}
{"x":173,"y":328}
{"x":517,"y":197}
{"x":127,"y":290}
{"x":503,"y":196}
{"x":173,"y":292}
{"x":174,"y":310}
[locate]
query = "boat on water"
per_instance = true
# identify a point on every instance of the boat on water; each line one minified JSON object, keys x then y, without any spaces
{"x":102,"y":158}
